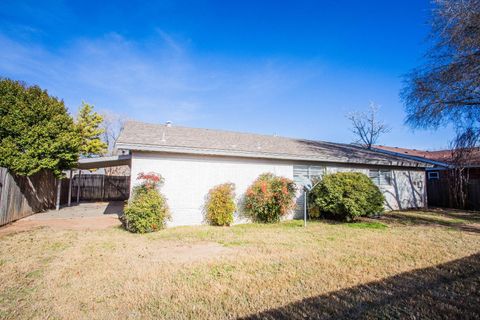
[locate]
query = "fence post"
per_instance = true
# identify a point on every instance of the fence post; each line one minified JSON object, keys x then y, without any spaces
{"x":103,"y":186}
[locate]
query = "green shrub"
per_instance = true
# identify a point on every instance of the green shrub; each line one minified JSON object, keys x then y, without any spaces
{"x":147,"y":210}
{"x":345,"y":195}
{"x":220,"y":205}
{"x":269,"y":198}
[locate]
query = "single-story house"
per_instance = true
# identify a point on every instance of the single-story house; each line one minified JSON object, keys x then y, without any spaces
{"x":193,"y":160}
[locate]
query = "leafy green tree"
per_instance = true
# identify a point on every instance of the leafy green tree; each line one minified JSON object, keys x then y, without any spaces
{"x":90,"y":130}
{"x":36,"y":131}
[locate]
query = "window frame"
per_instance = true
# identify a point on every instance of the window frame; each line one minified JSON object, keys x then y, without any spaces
{"x":436,"y":173}
{"x":377,"y":179}
{"x":313,"y":171}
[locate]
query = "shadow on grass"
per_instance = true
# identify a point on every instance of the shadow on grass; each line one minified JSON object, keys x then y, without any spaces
{"x":470,"y":216}
{"x":446,"y":291}
{"x":455,"y":222}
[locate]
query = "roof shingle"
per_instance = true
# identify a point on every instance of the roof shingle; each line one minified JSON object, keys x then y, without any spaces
{"x":155,"y":137}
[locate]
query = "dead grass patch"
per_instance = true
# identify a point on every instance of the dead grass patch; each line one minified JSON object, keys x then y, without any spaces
{"x":244,"y":270}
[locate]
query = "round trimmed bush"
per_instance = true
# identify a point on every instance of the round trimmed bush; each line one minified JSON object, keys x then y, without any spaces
{"x":269,"y":198}
{"x":147,"y":211}
{"x":345,"y":195}
{"x":220,"y":205}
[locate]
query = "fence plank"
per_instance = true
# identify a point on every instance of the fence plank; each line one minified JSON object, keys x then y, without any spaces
{"x":24,"y":196}
{"x":439,"y":194}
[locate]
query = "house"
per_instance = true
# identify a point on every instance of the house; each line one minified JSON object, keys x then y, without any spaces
{"x":193,"y":160}
{"x":442,"y":165}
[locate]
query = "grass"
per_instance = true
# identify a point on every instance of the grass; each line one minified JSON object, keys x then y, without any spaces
{"x":408,"y":261}
{"x":367,"y":225}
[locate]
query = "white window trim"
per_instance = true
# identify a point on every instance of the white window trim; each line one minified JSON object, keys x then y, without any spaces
{"x":388,"y":177}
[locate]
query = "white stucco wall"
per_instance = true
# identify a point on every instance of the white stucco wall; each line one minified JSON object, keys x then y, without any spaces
{"x":188,"y":178}
{"x":406,"y":191}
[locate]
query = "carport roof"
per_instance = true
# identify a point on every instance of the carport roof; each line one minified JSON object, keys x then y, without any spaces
{"x":103,"y":162}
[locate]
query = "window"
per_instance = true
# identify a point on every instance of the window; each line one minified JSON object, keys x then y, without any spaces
{"x":381,"y":177}
{"x":304,"y":172}
{"x":433,"y":175}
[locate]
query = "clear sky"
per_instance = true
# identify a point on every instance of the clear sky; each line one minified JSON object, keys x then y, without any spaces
{"x":293,"y":68}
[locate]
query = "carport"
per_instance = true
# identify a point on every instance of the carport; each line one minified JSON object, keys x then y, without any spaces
{"x":96,"y":182}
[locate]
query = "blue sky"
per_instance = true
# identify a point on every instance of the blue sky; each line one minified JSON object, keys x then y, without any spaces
{"x":293,"y":68}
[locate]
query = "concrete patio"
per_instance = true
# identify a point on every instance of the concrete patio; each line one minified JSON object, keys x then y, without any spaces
{"x":84,"y":216}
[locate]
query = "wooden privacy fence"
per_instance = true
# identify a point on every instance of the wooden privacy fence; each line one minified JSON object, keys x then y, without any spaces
{"x":96,"y":187}
{"x":439,"y":195}
{"x":24,"y":196}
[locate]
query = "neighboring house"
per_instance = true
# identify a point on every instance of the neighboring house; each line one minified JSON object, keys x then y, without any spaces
{"x":194,"y":160}
{"x":441,"y":161}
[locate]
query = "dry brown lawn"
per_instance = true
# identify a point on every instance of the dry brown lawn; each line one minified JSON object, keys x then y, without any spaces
{"x":404,"y":265}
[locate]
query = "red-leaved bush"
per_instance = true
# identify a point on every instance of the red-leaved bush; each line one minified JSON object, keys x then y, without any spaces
{"x":269,"y":198}
{"x":147,"y":209}
{"x":150,"y":180}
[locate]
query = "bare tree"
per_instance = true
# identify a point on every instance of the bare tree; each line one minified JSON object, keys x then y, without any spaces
{"x":446,"y":89}
{"x":366,"y":127}
{"x":463,"y":148}
{"x":113,"y":124}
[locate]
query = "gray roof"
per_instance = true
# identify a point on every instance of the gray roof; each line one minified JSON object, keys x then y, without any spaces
{"x":175,"y":139}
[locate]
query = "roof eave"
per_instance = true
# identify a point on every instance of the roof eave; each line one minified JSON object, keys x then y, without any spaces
{"x":430,"y":162}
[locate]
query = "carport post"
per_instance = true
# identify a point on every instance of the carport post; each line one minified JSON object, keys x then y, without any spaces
{"x":59,"y":187}
{"x":78,"y":185}
{"x":70,"y":189}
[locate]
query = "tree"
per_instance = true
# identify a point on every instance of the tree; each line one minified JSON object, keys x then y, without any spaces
{"x":446,"y":89}
{"x":112,"y":125}
{"x":36,"y":132}
{"x":463,"y":147}
{"x":366,"y":127}
{"x":89,"y":128}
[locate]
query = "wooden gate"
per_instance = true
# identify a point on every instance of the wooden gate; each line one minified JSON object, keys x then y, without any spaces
{"x":97,"y":187}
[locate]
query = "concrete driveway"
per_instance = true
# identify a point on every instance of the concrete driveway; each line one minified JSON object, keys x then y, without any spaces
{"x":84,"y":216}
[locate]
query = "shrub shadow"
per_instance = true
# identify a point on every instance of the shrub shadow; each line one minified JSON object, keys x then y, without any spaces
{"x":114,"y":207}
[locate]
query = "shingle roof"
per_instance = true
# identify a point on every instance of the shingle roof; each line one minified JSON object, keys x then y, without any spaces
{"x":154,"y":137}
{"x":440,"y":156}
